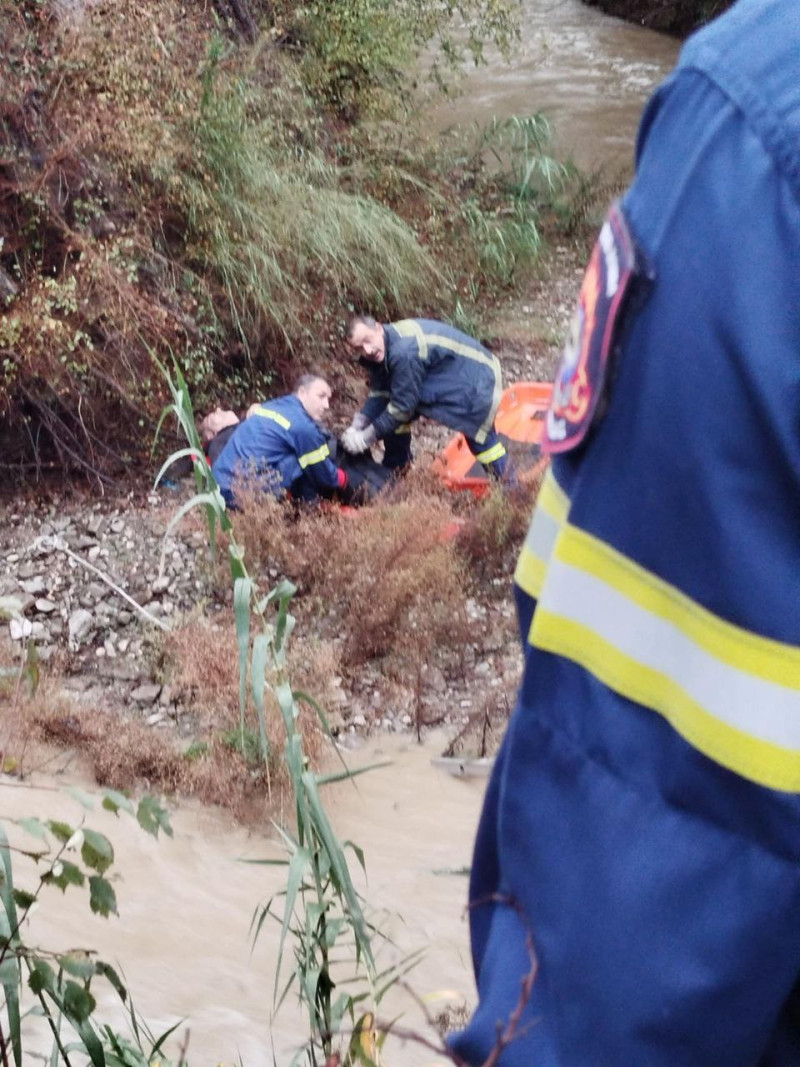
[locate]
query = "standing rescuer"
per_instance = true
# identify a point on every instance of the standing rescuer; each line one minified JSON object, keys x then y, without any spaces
{"x":281,"y":447}
{"x":423,"y":367}
{"x":638,"y":856}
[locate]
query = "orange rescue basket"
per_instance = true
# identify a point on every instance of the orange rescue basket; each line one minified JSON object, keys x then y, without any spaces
{"x":519,"y":422}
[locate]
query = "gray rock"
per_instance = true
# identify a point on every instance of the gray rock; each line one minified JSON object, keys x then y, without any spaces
{"x":433,"y":679}
{"x":81,"y":623}
{"x":160,"y":585}
{"x":147,"y":693}
{"x":120,"y":670}
{"x":19,"y":629}
{"x":155,"y":718}
{"x":44,"y":606}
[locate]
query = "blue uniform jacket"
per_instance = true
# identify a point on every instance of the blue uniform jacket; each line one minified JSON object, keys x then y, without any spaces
{"x":278,"y":445}
{"x":432,"y":369}
{"x":642,"y":825}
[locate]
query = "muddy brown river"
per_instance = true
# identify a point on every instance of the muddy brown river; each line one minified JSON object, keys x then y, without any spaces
{"x":185,"y":905}
{"x":588,"y":73}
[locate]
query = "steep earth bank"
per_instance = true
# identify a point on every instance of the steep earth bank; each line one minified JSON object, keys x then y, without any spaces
{"x":678,"y":17}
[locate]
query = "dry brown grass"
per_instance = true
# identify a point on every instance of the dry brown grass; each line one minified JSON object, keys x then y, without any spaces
{"x":124,"y":754}
{"x":200,"y":661}
{"x":491,"y":537}
{"x":386,"y":580}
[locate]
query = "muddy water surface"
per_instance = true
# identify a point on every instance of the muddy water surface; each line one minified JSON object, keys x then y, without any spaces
{"x":186,"y":904}
{"x":588,"y":73}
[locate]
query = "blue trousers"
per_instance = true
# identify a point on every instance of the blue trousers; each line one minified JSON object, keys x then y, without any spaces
{"x":397,"y":453}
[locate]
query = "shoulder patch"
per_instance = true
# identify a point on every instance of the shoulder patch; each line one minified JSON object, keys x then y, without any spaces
{"x":582,"y":372}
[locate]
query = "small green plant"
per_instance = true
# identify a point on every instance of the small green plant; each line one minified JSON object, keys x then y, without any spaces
{"x":67,"y":857}
{"x":320,"y":906}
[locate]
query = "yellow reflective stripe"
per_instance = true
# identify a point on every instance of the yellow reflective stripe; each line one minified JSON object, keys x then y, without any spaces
{"x":552,"y":507}
{"x":530,"y":573}
{"x":733,"y":694}
{"x":398,"y":413}
{"x":552,"y":498}
{"x":759,"y":761}
{"x":491,"y":455}
{"x":497,"y":394}
{"x":317,"y":456}
{"x":404,"y":427}
{"x":767,"y":659}
{"x":268,"y":413}
{"x":411,"y":328}
{"x":379,"y":392}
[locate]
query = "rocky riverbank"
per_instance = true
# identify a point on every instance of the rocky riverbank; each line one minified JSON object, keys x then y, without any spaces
{"x":105,"y":594}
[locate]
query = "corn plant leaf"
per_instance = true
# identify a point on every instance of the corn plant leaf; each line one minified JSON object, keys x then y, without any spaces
{"x":339,"y":870}
{"x":258,"y":672}
{"x":9,"y":971}
{"x":298,"y":864}
{"x":108,"y":972}
{"x":350,"y":772}
{"x":174,"y":457}
{"x":9,"y":932}
{"x":242,"y":596}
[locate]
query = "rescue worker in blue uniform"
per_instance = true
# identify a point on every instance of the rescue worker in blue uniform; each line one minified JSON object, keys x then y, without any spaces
{"x":281,"y":447}
{"x":422,"y":367}
{"x":638,"y":855}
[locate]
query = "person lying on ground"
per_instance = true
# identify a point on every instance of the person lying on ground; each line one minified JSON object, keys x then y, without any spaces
{"x":282,"y":448}
{"x":423,"y":367}
{"x":215,"y":431}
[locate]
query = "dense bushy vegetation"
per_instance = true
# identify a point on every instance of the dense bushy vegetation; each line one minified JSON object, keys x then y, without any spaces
{"x":222,"y":188}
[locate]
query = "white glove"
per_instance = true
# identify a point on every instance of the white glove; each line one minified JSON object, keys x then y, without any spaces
{"x":359,"y":421}
{"x":355,"y":441}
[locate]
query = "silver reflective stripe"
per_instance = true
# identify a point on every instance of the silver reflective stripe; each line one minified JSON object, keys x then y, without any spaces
{"x":754,"y":705}
{"x":542,"y":534}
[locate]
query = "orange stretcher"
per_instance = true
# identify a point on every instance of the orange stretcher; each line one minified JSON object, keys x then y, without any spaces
{"x":519,"y":422}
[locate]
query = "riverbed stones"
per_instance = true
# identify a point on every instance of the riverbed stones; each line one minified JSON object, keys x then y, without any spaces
{"x":81,"y":623}
{"x":35,"y":586}
{"x":147,"y":693}
{"x":19,"y":629}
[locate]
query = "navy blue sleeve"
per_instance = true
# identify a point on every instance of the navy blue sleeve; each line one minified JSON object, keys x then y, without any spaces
{"x":406,"y":373}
